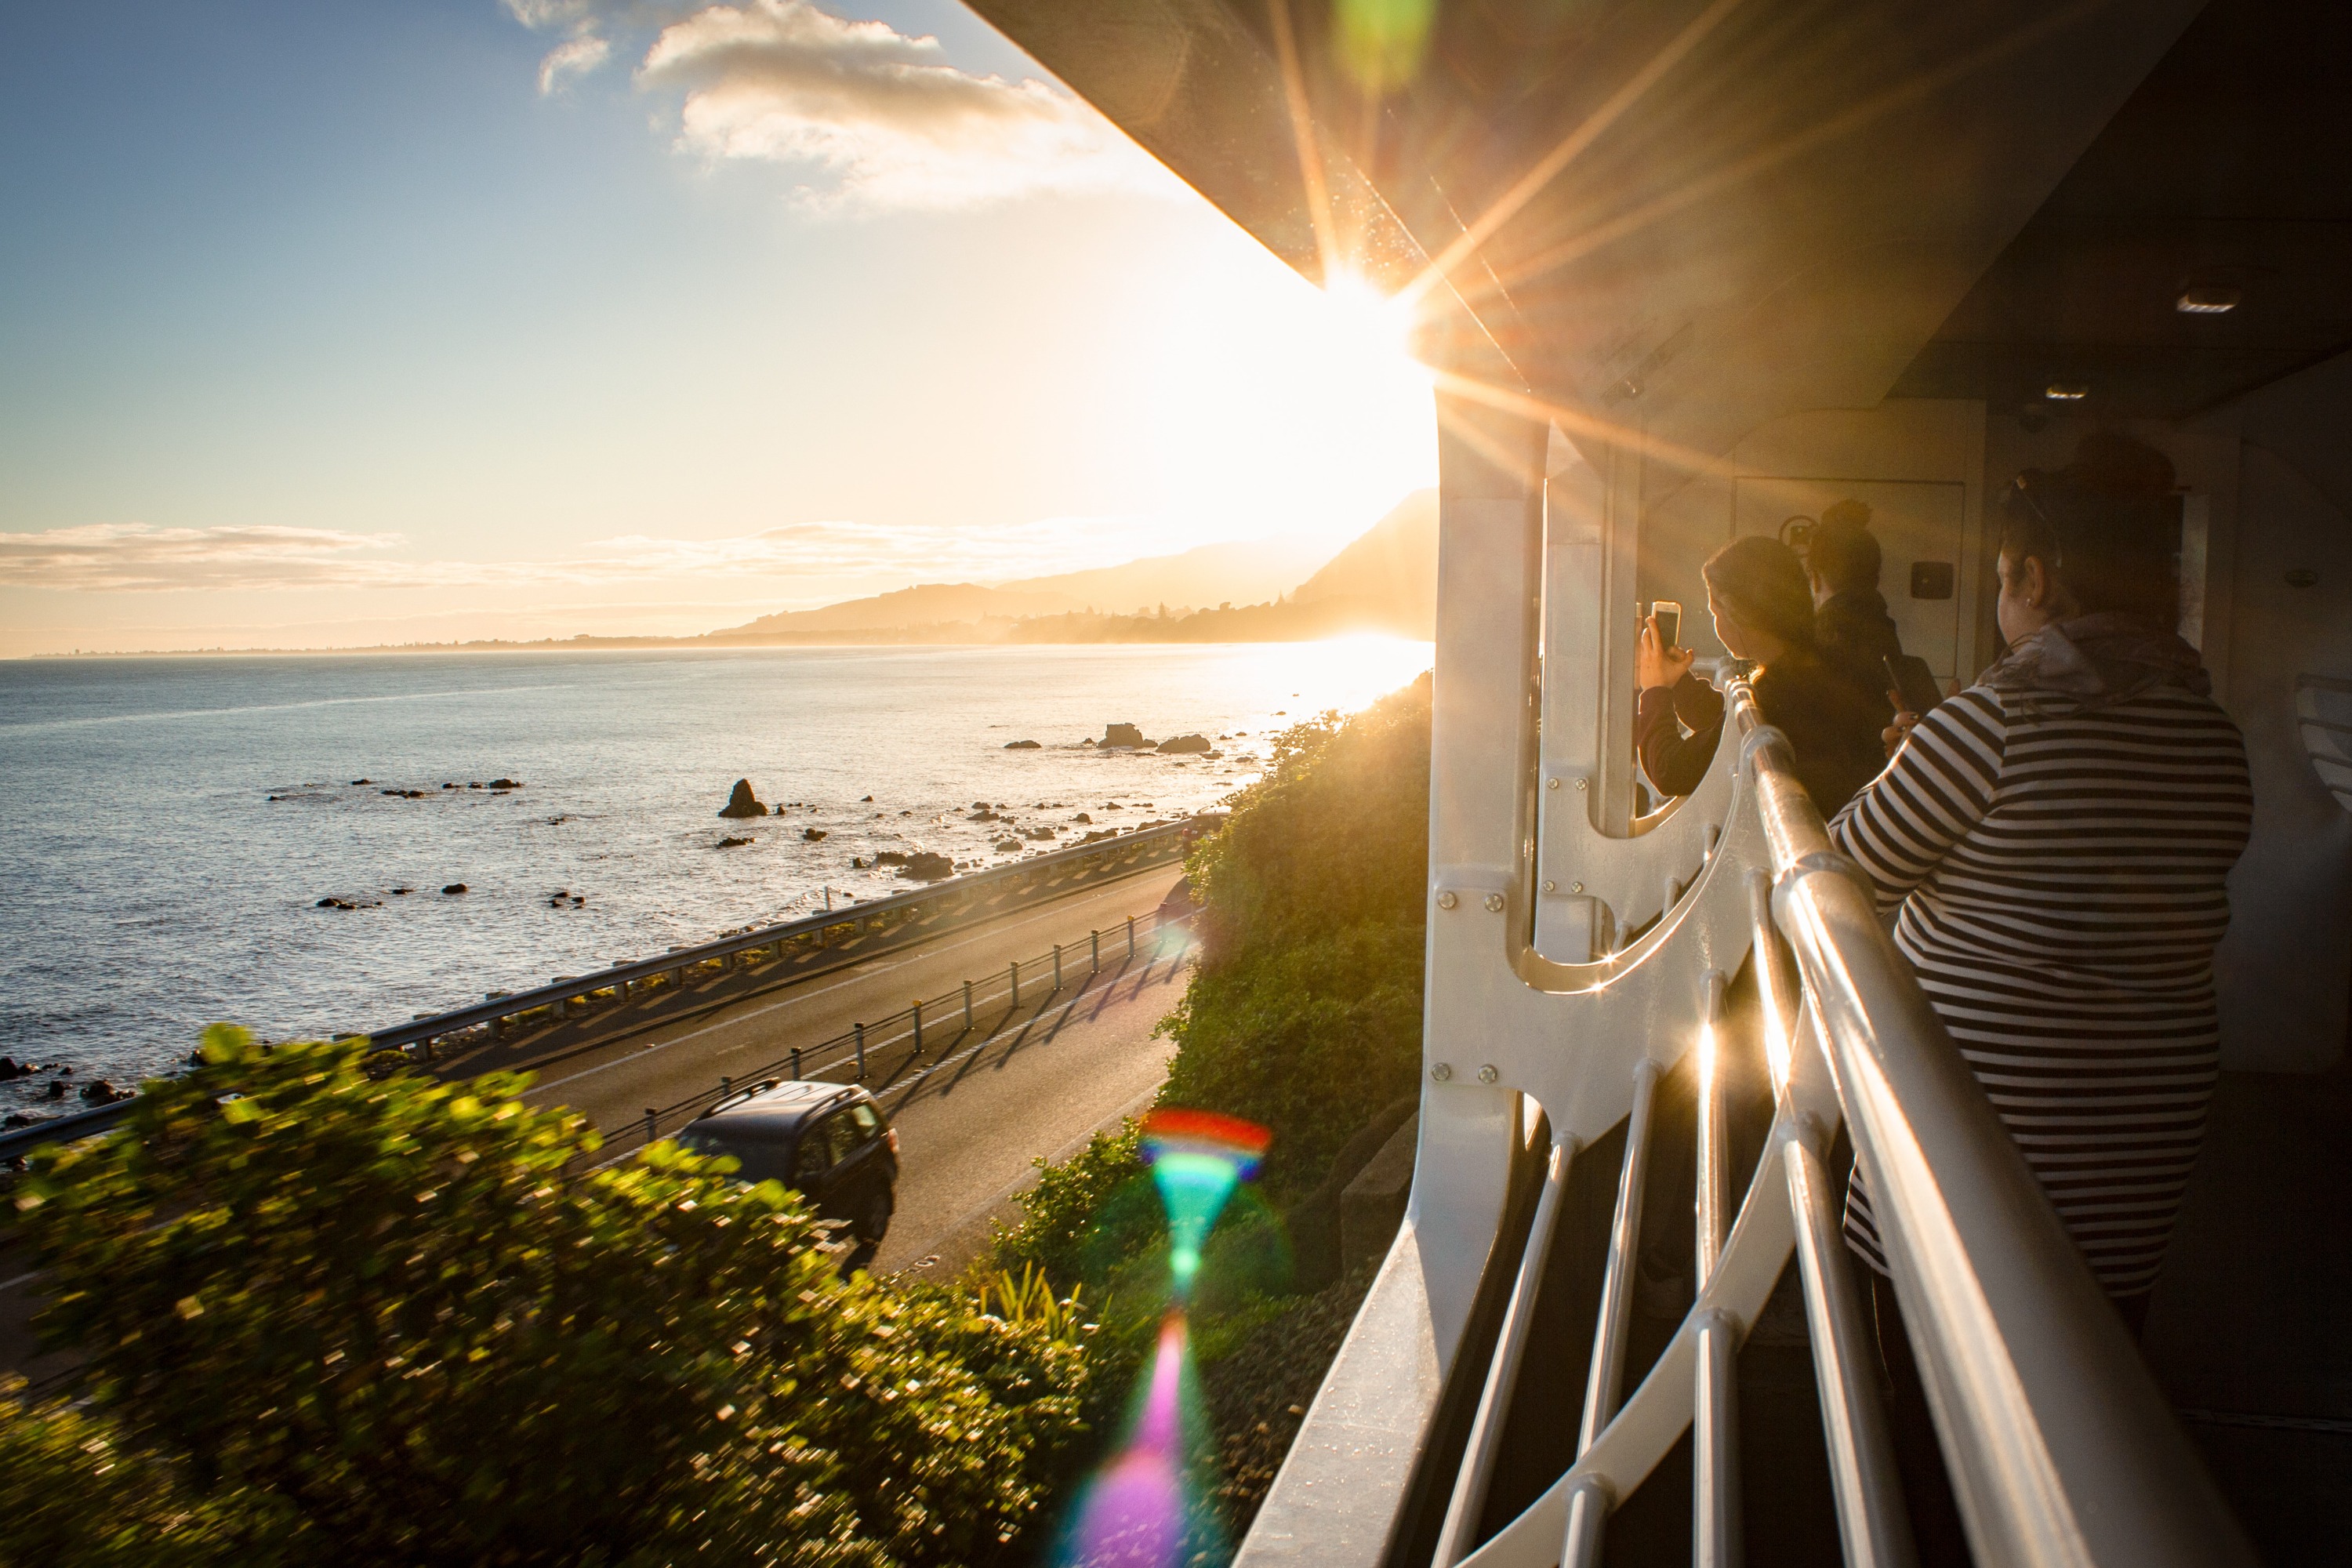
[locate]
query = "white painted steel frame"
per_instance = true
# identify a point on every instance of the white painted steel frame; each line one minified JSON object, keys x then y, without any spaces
{"x":2061,"y":1449}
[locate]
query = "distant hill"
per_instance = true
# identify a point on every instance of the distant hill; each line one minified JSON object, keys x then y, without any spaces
{"x":1385,"y":581}
{"x":932,"y":604}
{"x":1390,"y":574}
{"x":1246,"y":572}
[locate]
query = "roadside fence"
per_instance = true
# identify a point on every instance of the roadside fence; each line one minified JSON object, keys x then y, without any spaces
{"x":949,"y":1019}
{"x":764,"y":957}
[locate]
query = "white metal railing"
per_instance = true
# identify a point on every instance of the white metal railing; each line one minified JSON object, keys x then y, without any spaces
{"x":2059,"y":1447}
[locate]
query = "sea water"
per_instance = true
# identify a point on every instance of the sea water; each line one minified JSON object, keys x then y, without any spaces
{"x":169,"y":826}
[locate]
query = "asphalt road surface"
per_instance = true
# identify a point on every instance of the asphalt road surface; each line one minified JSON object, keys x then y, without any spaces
{"x":977,"y":1105}
{"x":970,"y":1128}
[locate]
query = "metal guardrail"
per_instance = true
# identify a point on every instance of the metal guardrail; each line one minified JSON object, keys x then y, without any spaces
{"x":856,"y":1051}
{"x":2061,"y":1449}
{"x":1142,"y":848}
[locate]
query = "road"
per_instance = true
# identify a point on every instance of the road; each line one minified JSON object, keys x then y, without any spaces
{"x":970,"y":1129}
{"x":972,"y":1111}
{"x":977,"y":1106}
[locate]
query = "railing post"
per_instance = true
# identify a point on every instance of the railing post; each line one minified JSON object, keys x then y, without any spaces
{"x":1714,"y":1413}
{"x":1093,"y":952}
{"x":652,"y":1118}
{"x":725,"y":1087}
{"x":1057,"y":969}
{"x":797,"y":1063}
{"x":860,"y":1030}
{"x":1130,"y":939}
{"x":916,"y":1008}
{"x":1013,"y":968}
{"x":967,"y":1006}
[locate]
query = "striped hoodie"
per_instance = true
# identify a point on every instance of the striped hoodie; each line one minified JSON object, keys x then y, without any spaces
{"x":2056,"y":871}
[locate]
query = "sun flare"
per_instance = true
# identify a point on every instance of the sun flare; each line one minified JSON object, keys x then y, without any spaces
{"x":1289,"y":409}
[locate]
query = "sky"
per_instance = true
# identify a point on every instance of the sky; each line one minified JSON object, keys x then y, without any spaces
{"x":398,"y":320}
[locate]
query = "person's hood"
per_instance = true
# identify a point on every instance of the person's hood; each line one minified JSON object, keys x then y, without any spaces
{"x":2095,"y":661}
{"x":1867,"y":605}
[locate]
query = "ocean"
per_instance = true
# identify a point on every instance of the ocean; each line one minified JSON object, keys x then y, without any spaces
{"x":169,"y":826}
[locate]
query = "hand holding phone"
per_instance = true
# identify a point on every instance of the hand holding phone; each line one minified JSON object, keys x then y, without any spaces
{"x":1915,"y":684}
{"x":1657,"y":663}
{"x":1668,"y":614}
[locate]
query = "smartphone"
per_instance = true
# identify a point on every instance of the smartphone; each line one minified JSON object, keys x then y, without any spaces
{"x":1669,"y":617}
{"x":1913,"y":680}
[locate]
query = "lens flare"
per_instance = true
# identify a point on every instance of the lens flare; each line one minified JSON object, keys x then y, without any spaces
{"x":1140,"y":1510}
{"x":1197,"y":1159}
{"x":1137,"y":1512}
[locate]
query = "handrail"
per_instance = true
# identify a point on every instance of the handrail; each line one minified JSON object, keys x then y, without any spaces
{"x":2062,"y":1450}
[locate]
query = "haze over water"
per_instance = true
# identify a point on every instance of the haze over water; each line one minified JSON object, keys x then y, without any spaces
{"x":154,"y":887}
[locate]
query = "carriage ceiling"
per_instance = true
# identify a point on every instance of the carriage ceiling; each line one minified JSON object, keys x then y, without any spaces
{"x":1687,"y":217}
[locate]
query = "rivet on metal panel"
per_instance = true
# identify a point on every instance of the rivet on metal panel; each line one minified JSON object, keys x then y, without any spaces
{"x":1576,"y":887}
{"x":1495,"y":903}
{"x":1551,"y":887}
{"x":1487,"y":1074}
{"x":1446,"y":900}
{"x":1441,"y":1071}
{"x":1551,"y":783}
{"x":1580,"y":783}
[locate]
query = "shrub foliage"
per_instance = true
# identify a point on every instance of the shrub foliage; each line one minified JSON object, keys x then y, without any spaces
{"x":1304,"y":1015}
{"x":330,"y":1319}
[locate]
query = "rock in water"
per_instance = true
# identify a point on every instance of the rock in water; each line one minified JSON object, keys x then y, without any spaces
{"x":732,"y":843}
{"x":1186,"y":744}
{"x":742,"y":803}
{"x":1123,"y":735}
{"x":1008,"y":845}
{"x":1083,"y":816}
{"x":813,"y":835}
{"x":929,"y":865}
{"x":890,"y":856}
{"x":1024,"y":745}
{"x":454,"y":888}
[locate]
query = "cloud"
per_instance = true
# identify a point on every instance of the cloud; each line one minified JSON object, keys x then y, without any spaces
{"x":874,"y":120}
{"x":135,"y":558}
{"x":576,"y":57}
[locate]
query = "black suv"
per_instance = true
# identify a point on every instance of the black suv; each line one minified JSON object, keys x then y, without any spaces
{"x":829,"y":1140}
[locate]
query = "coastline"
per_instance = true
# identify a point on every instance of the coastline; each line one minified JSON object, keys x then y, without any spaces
{"x":1319,"y":621}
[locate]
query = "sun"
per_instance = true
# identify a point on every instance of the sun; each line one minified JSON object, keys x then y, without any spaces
{"x":1283,"y":408}
{"x":1379,"y":325}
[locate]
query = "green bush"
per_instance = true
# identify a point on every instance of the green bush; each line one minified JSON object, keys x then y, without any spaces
{"x":360,"y":1322}
{"x":1304,"y":1015}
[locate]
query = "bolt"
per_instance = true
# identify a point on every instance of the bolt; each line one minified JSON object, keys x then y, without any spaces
{"x":1580,"y":783}
{"x":1487,"y":1074}
{"x":1551,"y":887}
{"x":1551,"y":783}
{"x":1576,"y":887}
{"x":1441,"y":1071}
{"x":1495,"y":903}
{"x":1446,"y":900}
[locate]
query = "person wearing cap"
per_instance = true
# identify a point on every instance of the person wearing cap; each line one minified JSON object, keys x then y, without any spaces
{"x":1763,"y":610}
{"x":2054,"y":846}
{"x":1851,"y":630}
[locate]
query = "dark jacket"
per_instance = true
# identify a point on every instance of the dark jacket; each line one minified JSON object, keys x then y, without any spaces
{"x":1832,"y":728}
{"x":1853,"y":634}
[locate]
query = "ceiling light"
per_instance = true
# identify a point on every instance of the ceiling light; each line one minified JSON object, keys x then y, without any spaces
{"x":2207,"y":302}
{"x":2067,"y":392}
